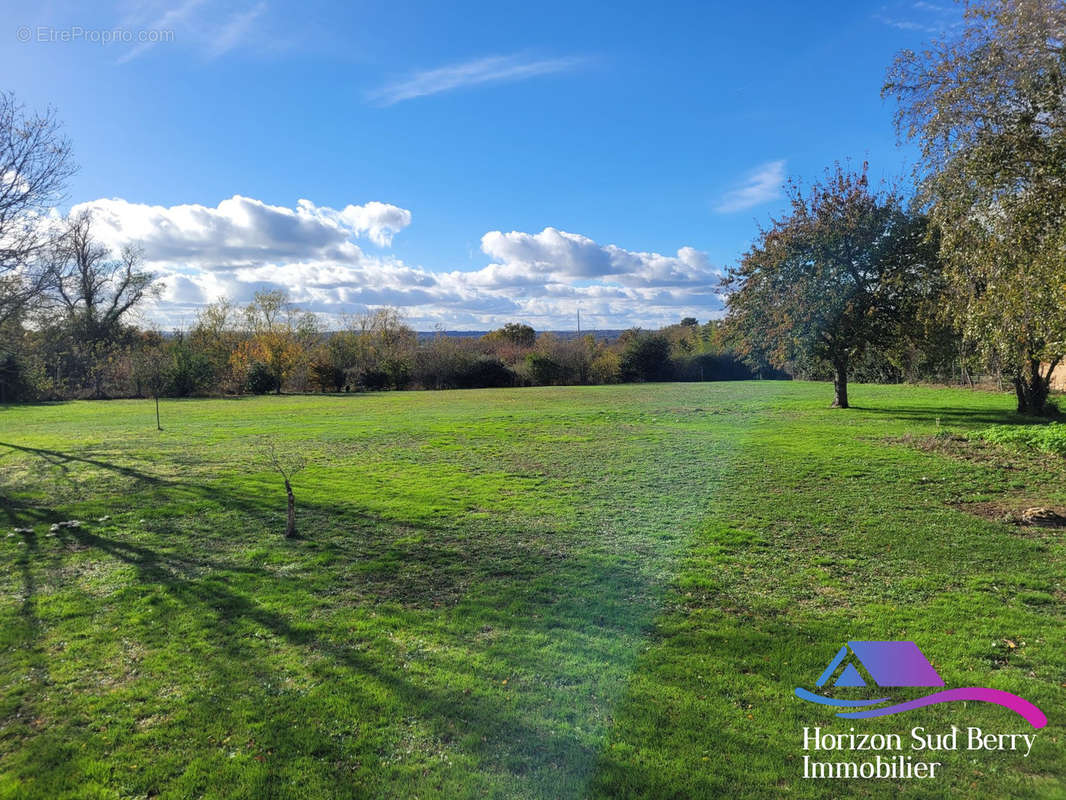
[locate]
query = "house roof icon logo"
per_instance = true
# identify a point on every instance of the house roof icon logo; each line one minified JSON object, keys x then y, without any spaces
{"x":889,"y":664}
{"x":899,"y":664}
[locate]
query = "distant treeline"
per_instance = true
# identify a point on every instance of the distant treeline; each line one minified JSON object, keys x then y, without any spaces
{"x":273,"y":346}
{"x":855,"y":280}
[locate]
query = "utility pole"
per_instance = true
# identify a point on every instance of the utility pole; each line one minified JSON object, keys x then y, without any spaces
{"x":579,"y":322}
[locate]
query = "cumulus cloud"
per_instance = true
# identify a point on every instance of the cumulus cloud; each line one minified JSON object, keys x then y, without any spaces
{"x":556,"y":255}
{"x":549,"y":275}
{"x":242,"y":231}
{"x":244,"y":245}
{"x":492,"y":69}
{"x":761,"y":185}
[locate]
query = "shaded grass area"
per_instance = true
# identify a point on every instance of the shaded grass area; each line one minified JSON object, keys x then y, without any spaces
{"x":605,"y":591}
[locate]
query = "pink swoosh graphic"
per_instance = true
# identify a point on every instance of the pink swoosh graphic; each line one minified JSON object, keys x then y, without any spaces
{"x":1033,"y":715}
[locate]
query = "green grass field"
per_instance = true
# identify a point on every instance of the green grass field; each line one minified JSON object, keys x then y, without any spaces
{"x":597,"y":592}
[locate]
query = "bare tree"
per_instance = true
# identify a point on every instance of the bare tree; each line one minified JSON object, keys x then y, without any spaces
{"x":35,"y":163}
{"x":97,"y":290}
{"x":150,"y":366}
{"x":286,"y":465}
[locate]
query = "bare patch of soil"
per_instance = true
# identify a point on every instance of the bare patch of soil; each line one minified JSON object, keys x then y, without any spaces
{"x":1018,"y":511}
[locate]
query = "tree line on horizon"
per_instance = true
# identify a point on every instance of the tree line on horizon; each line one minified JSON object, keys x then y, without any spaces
{"x":963,"y":275}
{"x":76,"y":342}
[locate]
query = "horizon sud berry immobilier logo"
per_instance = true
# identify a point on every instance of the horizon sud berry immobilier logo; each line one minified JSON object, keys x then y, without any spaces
{"x":879,"y":665}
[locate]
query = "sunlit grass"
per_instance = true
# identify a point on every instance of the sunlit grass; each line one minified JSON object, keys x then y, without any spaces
{"x":602,"y":591}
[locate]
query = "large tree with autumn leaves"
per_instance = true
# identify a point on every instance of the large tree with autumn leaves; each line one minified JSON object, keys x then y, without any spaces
{"x":988,"y":107}
{"x":843,"y":271}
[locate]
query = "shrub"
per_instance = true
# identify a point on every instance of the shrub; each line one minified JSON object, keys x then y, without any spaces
{"x":398,"y":371}
{"x":16,"y":381}
{"x":190,"y":372}
{"x":544,"y":369}
{"x":515,"y":333}
{"x":646,"y":357}
{"x":326,"y":377}
{"x":1050,"y":438}
{"x":373,"y":380}
{"x":483,"y":372}
{"x":606,"y":367}
{"x":261,"y":379}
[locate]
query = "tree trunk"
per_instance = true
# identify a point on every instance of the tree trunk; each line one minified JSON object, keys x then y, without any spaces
{"x":157,"y":425}
{"x":1033,"y":387}
{"x":840,"y":382}
{"x":290,"y":527}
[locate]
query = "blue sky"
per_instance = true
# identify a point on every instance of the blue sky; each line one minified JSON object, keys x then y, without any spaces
{"x":471,"y":163}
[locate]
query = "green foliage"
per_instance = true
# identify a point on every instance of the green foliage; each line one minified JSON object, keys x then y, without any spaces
{"x":483,"y":372}
{"x":515,"y":333}
{"x":326,"y":376}
{"x":18,"y":381}
{"x":988,"y":108}
{"x":844,"y":272}
{"x":261,"y":379}
{"x":398,"y":371}
{"x":189,"y":372}
{"x":373,"y":380}
{"x":645,"y":357}
{"x":544,"y":370}
{"x":605,"y":366}
{"x":1050,"y":438}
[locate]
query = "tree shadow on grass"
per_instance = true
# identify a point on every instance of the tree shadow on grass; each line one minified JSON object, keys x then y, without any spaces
{"x":61,"y":462}
{"x":255,"y":505}
{"x":954,"y":416}
{"x":502,"y":741}
{"x":454,"y":579}
{"x":24,"y":636}
{"x":21,"y":513}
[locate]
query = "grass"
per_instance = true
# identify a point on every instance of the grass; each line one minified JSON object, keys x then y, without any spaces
{"x":1049,"y":438}
{"x":576,"y":592}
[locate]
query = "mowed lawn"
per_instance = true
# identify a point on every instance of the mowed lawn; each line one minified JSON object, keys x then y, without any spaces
{"x":563,"y":592}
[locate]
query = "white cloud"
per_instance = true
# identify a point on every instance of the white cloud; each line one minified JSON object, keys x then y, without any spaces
{"x":244,"y":245}
{"x":242,"y":231}
{"x":231,"y":33}
{"x":380,"y":221}
{"x":491,"y":69}
{"x":761,"y":185}
{"x":554,"y":255}
{"x":905,"y":24}
{"x":920,"y":16}
{"x":212,"y":28}
{"x":550,"y":274}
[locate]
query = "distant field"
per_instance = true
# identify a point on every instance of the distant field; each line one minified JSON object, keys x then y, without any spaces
{"x":558,"y":593}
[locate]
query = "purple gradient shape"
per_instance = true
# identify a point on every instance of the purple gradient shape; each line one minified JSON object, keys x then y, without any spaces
{"x":896,"y":663}
{"x":1033,"y":715}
